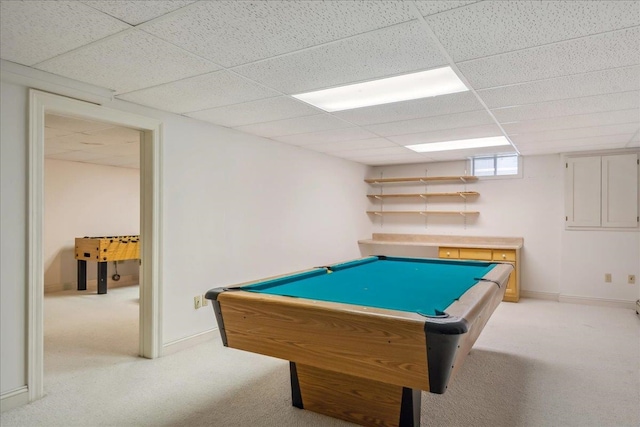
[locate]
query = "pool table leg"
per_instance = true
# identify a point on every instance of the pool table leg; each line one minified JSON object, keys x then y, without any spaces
{"x":355,"y":399}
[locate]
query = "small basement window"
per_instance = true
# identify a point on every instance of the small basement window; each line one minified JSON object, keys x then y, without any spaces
{"x":497,"y":165}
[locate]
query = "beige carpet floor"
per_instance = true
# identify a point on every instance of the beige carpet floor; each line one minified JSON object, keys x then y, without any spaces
{"x":537,"y":363}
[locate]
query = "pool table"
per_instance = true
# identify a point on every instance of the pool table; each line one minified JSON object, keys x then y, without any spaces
{"x":364,"y":337}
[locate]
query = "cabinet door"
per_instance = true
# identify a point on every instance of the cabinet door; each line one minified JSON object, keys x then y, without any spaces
{"x":582,"y":192}
{"x":620,"y":190}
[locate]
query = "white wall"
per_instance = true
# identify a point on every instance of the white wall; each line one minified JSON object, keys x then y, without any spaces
{"x":13,"y":236}
{"x":82,"y":199}
{"x":554,"y":261}
{"x":236,"y":207}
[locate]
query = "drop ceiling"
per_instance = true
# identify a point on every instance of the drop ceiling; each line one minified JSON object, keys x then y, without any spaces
{"x":551,"y":76}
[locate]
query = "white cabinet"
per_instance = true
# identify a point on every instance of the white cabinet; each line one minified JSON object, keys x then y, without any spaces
{"x":602,"y":191}
{"x":620,"y":191}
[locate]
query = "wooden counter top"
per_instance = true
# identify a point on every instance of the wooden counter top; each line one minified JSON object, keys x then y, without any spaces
{"x":436,"y":240}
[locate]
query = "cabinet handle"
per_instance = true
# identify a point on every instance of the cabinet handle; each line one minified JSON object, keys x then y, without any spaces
{"x":504,"y":256}
{"x":448,"y":253}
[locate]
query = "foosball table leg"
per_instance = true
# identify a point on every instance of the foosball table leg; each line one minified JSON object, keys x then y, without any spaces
{"x":82,"y":275}
{"x":102,"y":278}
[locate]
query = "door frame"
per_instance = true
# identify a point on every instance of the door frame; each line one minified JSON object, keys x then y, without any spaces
{"x":150,"y":345}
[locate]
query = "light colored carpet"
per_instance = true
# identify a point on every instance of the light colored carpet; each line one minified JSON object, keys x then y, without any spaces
{"x":537,"y":363}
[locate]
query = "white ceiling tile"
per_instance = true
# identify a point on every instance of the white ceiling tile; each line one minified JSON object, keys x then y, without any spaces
{"x":128,"y":61}
{"x":32,"y":31}
{"x":199,"y":93}
{"x":427,"y":8}
{"x":262,"y":110}
{"x":573,"y":134}
{"x":400,"y":49}
{"x":77,"y":156}
{"x":334,"y":135}
{"x":120,"y":135}
{"x":447,"y":135}
{"x":568,"y":107}
{"x":130,"y":151}
{"x":51,"y":149}
{"x":136,"y":12}
{"x":54,"y":133}
{"x":605,"y":51}
{"x":444,"y":156}
{"x":568,"y":122}
{"x":318,"y":122}
{"x":577,"y":144}
{"x":367,"y":152}
{"x":492,"y":27}
{"x":71,"y":124}
{"x":117,"y":161}
{"x":232,"y":32}
{"x":385,"y":159}
{"x":595,"y":83}
{"x":76,"y":142}
{"x":407,"y":110}
{"x":429,"y":124}
{"x":333,"y":147}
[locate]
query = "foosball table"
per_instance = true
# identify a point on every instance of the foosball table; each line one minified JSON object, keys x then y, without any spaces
{"x":103,"y":250}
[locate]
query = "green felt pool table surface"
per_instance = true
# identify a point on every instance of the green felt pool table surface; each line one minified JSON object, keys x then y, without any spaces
{"x":423,"y":286}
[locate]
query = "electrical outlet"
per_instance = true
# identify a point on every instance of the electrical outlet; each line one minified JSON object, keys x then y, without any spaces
{"x":607,"y":277}
{"x":631,"y":279}
{"x":197,"y":301}
{"x":205,"y":301}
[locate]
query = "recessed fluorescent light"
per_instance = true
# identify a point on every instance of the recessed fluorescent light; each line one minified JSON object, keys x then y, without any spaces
{"x":494,"y":141}
{"x":424,"y":84}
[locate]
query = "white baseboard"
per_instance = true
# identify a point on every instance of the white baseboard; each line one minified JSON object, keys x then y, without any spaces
{"x":184,"y":343}
{"x":539,"y":295}
{"x":92,"y":284}
{"x":572,"y":299}
{"x":14,"y":398}
{"x":602,"y":302}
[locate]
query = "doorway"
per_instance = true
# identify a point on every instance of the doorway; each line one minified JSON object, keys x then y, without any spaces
{"x":41,"y":103}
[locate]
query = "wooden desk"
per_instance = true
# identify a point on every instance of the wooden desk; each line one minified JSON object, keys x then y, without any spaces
{"x":504,"y":249}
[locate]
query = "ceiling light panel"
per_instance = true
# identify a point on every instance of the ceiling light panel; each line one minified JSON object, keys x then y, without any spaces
{"x":327,"y":136}
{"x":271,"y":28}
{"x":139,"y":11}
{"x":567,"y":107}
{"x":128,"y":61}
{"x":424,"y":84}
{"x":200,"y":93}
{"x":596,"y":83}
{"x":447,"y":135}
{"x":414,"y":109}
{"x":294,"y":126}
{"x":507,"y":26}
{"x":575,"y":121}
{"x":430,"y":124}
{"x":32,"y":31}
{"x":605,"y":51}
{"x":400,"y":49}
{"x":461,"y":144}
{"x":262,"y":110}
